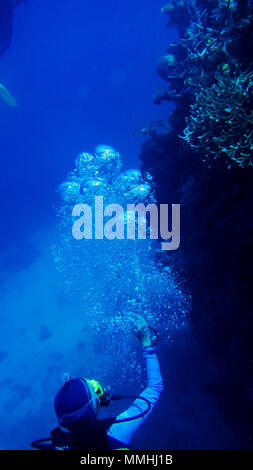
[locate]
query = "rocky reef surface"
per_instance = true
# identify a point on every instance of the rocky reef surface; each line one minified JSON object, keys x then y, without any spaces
{"x":202,"y":158}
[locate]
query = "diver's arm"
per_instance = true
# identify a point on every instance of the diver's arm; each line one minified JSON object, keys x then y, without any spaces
{"x":123,"y":432}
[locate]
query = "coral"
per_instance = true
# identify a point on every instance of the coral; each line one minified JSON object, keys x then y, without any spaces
{"x":220,"y":124}
{"x":210,"y":77}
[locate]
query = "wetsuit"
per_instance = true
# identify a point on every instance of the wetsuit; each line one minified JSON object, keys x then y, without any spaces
{"x":120,"y":435}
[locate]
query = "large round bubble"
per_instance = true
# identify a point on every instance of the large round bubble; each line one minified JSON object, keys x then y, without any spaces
{"x":139,"y":194}
{"x":84,"y":164}
{"x":102,"y":148}
{"x":108,"y":164}
{"x":129,"y":179}
{"x":68,"y":191}
{"x":96,"y":186}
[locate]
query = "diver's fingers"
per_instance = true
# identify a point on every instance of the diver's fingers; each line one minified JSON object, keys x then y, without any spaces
{"x":141,"y":322}
{"x":7,"y":97}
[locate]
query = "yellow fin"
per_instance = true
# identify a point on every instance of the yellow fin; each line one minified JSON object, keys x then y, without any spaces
{"x":7,"y":97}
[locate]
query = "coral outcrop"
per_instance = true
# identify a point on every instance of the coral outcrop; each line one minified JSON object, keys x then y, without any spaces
{"x":202,"y":158}
{"x":210,"y":77}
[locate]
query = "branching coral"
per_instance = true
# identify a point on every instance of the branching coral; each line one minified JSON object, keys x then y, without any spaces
{"x":221,"y":120}
{"x":210,"y":78}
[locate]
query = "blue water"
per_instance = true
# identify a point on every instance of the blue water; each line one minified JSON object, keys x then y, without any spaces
{"x":83,"y":73}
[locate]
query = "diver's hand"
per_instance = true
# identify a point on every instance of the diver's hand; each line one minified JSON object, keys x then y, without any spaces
{"x":141,"y":331}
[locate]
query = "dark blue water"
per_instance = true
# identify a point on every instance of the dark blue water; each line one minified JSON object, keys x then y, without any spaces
{"x":82,"y":73}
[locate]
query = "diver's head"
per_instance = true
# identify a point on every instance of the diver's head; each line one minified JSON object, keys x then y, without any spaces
{"x":78,"y":401}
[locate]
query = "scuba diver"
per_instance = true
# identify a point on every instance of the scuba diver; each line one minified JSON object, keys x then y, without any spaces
{"x":78,"y":403}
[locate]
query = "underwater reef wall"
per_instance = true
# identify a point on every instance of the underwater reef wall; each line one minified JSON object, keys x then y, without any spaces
{"x":202,"y":158}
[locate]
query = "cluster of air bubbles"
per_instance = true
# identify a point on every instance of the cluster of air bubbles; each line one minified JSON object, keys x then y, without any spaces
{"x":112,"y":282}
{"x":99,"y":175}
